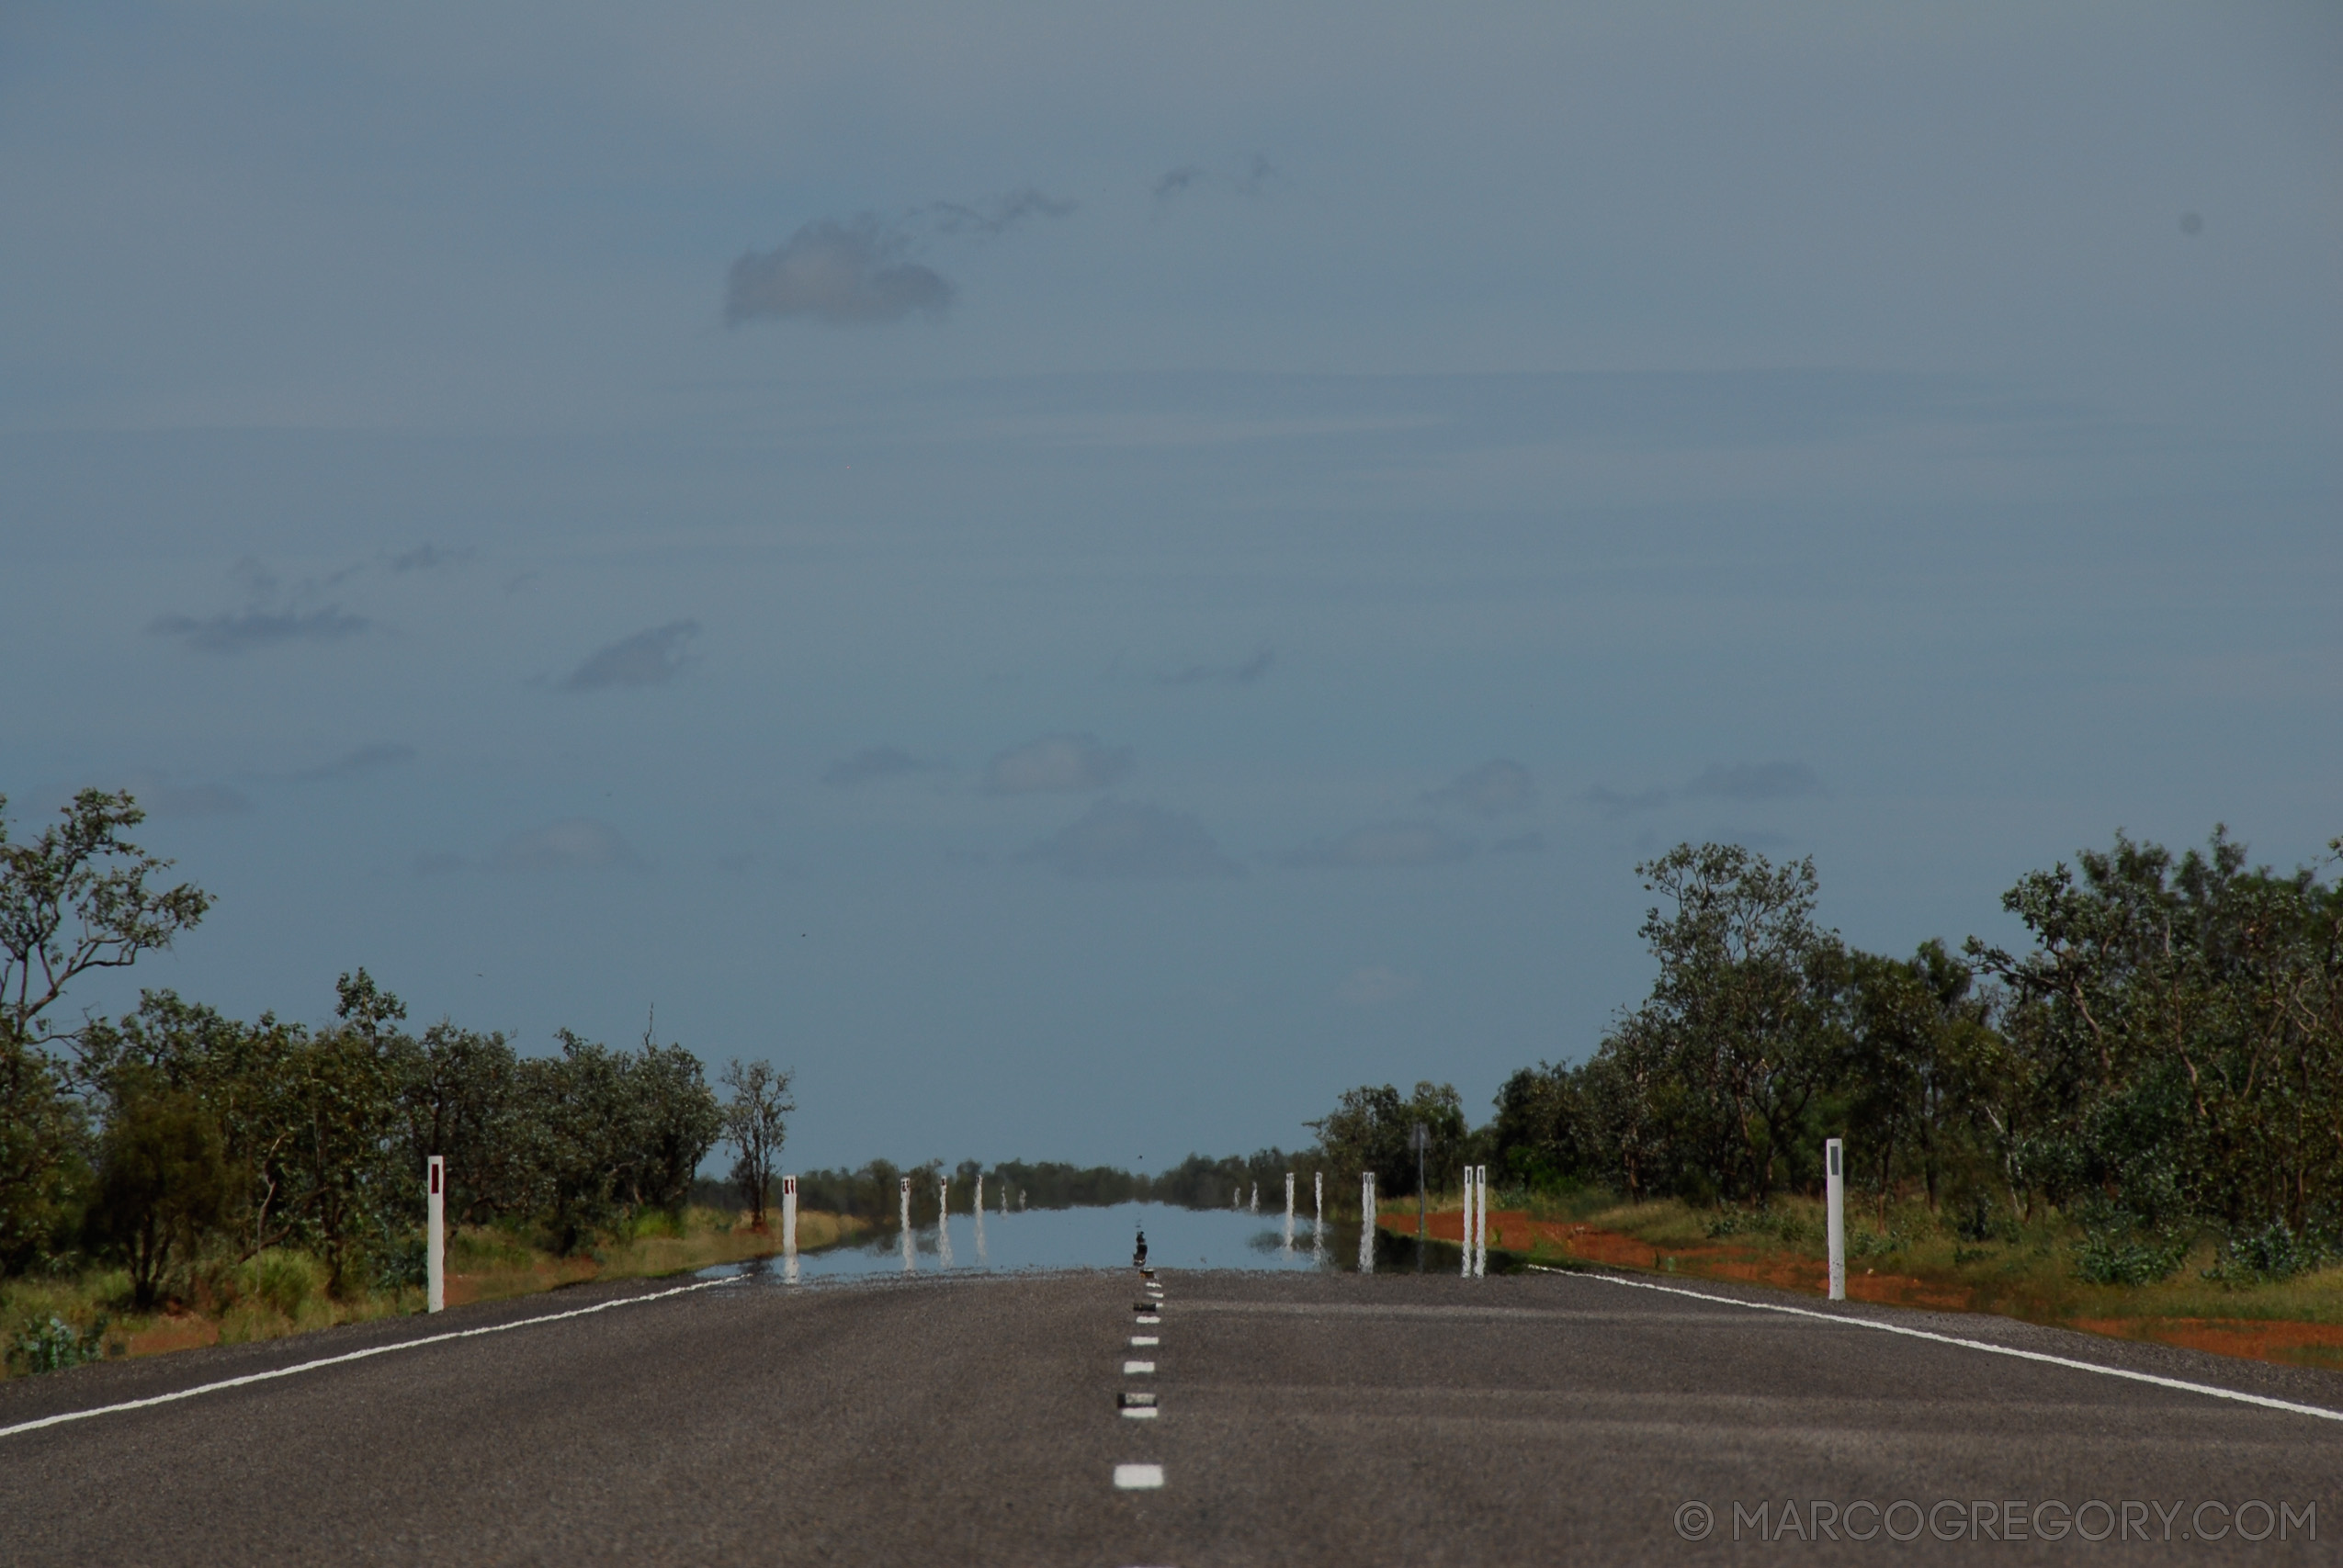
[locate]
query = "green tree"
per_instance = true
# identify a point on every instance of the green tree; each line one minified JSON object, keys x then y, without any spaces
{"x":755,"y":1126}
{"x":78,"y":898}
{"x":163,"y":1186}
{"x":1745,"y":999}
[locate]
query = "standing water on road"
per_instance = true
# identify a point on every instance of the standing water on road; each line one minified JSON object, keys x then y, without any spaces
{"x":1081,"y":1239}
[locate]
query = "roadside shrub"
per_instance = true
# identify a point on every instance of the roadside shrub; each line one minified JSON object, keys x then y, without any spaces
{"x":2274,"y":1252}
{"x":280,"y":1280}
{"x":56,"y":1345}
{"x":2115,"y":1257}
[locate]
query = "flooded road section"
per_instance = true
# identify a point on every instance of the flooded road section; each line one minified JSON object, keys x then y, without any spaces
{"x":1101,"y":1239}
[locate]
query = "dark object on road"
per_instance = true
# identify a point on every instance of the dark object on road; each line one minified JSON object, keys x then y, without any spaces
{"x":1138,"y":1258}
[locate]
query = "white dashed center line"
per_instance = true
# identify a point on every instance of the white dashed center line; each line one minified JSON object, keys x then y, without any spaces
{"x":1138,"y":1369}
{"x":1139,"y":1477}
{"x":1144,"y":1341}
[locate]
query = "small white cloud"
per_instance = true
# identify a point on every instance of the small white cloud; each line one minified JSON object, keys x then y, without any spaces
{"x":1058,"y":763}
{"x":580,"y":842}
{"x":1493,"y":789}
{"x":1130,"y":838}
{"x":1375,"y":986}
{"x":857,"y":271}
{"x":1385,"y":844}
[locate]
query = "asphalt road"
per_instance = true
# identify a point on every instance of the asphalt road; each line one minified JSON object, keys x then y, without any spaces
{"x":1304,"y":1419}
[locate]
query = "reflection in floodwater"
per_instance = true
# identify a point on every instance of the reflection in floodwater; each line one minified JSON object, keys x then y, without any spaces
{"x":1101,"y":1239}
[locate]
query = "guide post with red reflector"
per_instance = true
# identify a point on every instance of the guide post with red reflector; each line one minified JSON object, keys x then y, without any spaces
{"x":789,"y":1216}
{"x":434,"y":1235}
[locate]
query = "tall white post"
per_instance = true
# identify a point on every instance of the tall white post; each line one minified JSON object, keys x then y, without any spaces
{"x":789,"y":1216}
{"x":1366,"y":1223}
{"x":1834,"y":1187}
{"x":978,"y":1207}
{"x":434,"y":1237}
{"x":1289,"y":1210}
{"x":909,"y":1264}
{"x":943,"y":1221}
{"x":1317,"y":1183}
{"x":1480,"y":1217}
{"x":1464,"y":1236}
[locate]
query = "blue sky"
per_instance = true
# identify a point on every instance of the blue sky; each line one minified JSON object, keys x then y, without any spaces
{"x":1088,"y":579}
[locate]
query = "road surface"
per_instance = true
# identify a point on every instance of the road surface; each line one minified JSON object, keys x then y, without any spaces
{"x":1304,"y":1419}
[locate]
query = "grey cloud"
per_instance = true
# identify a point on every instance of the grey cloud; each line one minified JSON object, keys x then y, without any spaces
{"x":1529,"y":843}
{"x":1249,"y":177}
{"x":365,"y":760}
{"x":1493,"y":789}
{"x":996,"y":215}
{"x":1130,"y":838}
{"x":1385,"y":843}
{"x":857,"y":271}
{"x":1057,"y":763}
{"x":1172,"y":182}
{"x":1245,"y":673}
{"x":873,"y":763}
{"x":578,"y":843}
{"x":1757,"y":781}
{"x":1615,"y":804}
{"x":646,"y":658}
{"x":427,"y":557}
{"x":437,"y":862}
{"x":163,"y":798}
{"x":248,"y":629}
{"x":270,"y":615}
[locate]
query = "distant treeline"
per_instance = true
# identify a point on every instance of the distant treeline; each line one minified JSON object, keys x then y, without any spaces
{"x":874,"y":1191}
{"x":2163,"y":1057}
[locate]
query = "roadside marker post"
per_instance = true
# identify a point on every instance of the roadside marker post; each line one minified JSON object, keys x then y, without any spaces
{"x":1481,"y":1222}
{"x":1834,"y":1183}
{"x":789,"y":1216}
{"x":1366,"y":1223}
{"x":1289,"y":1210}
{"x":910,"y":1263}
{"x":434,"y":1235}
{"x":1464,"y":1236}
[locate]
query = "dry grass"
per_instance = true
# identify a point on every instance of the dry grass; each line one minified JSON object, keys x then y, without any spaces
{"x":280,"y":1293}
{"x":1909,"y":1258}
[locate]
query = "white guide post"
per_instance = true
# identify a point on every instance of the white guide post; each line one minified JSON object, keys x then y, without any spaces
{"x":434,"y":1236}
{"x":1834,"y":1186}
{"x":978,"y":1207}
{"x":909,"y":1264}
{"x":789,"y":1216}
{"x":1317,"y":1180}
{"x":1366,"y":1223}
{"x":1464,"y":1236}
{"x":1480,"y":1218}
{"x":943,"y":1221}
{"x":1289,"y":1210}
{"x":1256,"y":1197}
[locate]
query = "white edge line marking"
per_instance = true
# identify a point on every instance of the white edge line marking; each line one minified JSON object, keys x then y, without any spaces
{"x":1853,"y":1322}
{"x":60,"y":1419}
